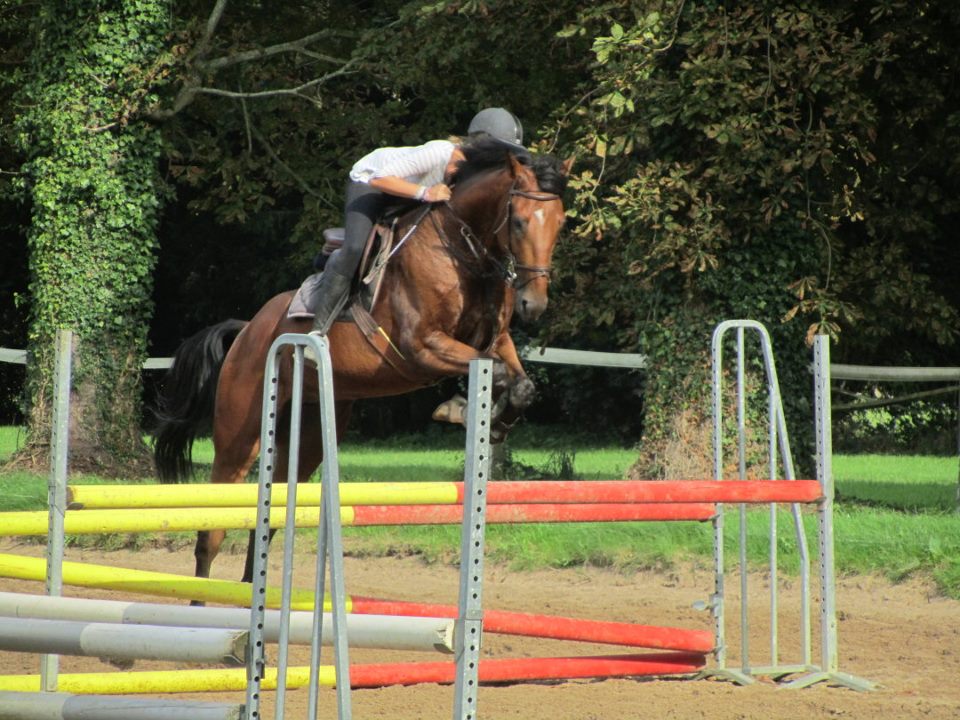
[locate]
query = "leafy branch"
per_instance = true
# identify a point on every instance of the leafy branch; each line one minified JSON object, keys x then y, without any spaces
{"x":196,"y":67}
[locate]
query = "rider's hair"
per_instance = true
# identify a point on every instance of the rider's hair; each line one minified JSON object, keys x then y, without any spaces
{"x":484,"y":152}
{"x":550,"y":175}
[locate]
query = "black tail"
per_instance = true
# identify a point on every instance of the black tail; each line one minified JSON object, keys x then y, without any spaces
{"x":185,"y":406}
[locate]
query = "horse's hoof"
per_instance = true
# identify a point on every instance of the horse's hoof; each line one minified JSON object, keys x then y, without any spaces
{"x":452,"y":411}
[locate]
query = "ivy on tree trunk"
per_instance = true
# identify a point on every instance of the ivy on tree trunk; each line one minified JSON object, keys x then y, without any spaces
{"x":91,"y":176}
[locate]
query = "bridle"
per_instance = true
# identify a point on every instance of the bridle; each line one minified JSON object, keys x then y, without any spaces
{"x":534,"y":271}
{"x":509,"y":268}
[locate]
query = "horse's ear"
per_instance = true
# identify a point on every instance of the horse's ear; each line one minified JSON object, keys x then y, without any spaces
{"x":567,"y":165}
{"x":515,"y":165}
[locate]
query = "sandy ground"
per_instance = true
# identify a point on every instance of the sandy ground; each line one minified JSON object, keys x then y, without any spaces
{"x":902,"y":637}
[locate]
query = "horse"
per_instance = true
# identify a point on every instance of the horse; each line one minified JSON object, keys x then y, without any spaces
{"x":447,"y":296}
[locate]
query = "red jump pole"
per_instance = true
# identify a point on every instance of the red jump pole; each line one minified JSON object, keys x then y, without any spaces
{"x":532,"y":513}
{"x":525,"y":669}
{"x":552,"y":627}
{"x":651,"y":491}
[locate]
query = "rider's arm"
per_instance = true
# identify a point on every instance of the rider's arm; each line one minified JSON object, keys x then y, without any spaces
{"x":398,"y":174}
{"x":393,"y":185}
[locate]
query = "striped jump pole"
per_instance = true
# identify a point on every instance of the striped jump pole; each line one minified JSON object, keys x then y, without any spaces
{"x":122,"y":642}
{"x":514,"y":492}
{"x":554,"y":627}
{"x":64,"y":706}
{"x":370,"y":675}
{"x":237,"y":593}
{"x":383,"y":631}
{"x":92,"y":522}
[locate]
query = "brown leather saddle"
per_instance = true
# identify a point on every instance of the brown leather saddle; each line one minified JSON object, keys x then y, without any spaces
{"x":366,"y":285}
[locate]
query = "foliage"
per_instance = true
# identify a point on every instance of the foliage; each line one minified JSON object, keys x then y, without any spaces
{"x":923,"y":426}
{"x":731,"y":167}
{"x":794,"y":163}
{"x":91,"y":178}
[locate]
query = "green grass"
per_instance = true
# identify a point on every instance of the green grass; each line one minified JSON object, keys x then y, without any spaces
{"x":11,"y":438}
{"x":904,"y":482}
{"x":894,"y":516}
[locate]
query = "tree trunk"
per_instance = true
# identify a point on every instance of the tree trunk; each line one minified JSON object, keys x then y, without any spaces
{"x":92,"y":179}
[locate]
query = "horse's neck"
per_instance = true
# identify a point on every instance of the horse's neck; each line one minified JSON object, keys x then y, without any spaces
{"x":483,"y":207}
{"x":440,"y":280}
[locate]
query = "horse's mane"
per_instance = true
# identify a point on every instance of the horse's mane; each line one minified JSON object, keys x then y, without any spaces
{"x":486,"y":153}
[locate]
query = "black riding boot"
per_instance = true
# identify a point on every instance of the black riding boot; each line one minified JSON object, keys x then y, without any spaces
{"x":331,"y":293}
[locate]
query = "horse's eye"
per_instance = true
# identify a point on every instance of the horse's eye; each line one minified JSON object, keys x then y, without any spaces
{"x":519,"y":225}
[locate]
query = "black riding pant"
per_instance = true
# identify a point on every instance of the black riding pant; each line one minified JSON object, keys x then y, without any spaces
{"x":364,"y":206}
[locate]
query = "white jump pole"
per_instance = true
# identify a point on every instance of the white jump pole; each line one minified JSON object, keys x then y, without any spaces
{"x":63,"y":706}
{"x":386,"y":632}
{"x":124,"y":642}
{"x":57,"y":486}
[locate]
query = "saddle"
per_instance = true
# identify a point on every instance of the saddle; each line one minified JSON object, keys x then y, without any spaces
{"x":366,"y":284}
{"x":365,"y":289}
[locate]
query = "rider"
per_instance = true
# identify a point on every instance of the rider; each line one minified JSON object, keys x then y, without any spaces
{"x":378,"y":179}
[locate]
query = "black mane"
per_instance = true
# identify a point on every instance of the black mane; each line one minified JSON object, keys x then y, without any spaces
{"x":484,"y":154}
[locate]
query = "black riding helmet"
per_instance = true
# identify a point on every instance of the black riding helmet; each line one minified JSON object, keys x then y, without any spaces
{"x":498,"y":123}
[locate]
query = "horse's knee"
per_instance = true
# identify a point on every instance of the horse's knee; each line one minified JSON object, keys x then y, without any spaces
{"x":501,"y":377}
{"x":522,"y":393}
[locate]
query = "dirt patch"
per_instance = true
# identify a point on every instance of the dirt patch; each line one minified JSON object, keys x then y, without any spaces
{"x":903,"y":637}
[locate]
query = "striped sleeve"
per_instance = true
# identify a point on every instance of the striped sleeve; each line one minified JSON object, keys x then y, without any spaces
{"x":423,"y":164}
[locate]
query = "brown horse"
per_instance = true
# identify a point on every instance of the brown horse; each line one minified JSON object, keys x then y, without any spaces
{"x":447,"y":297}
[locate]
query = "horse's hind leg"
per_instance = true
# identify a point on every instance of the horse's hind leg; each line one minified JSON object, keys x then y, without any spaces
{"x":310,"y":457}
{"x":234,"y":454}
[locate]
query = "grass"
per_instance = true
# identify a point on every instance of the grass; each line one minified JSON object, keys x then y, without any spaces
{"x":903,"y":482}
{"x":894,"y":515}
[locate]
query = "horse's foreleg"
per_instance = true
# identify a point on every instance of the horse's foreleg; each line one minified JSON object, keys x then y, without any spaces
{"x":251,"y":550}
{"x":518,"y":394}
{"x":513,"y":391}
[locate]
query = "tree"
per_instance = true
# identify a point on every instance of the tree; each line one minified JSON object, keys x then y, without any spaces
{"x":732,"y":168}
{"x":100,"y":77}
{"x":791,"y":163}
{"x":91,"y":174}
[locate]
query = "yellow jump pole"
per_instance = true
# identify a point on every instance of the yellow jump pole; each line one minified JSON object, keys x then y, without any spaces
{"x":92,"y":522}
{"x":146,"y":582}
{"x":245,"y":495}
{"x":164,"y":681}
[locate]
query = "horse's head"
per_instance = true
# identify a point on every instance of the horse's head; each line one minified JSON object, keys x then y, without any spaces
{"x":535,"y":216}
{"x":513,"y":204}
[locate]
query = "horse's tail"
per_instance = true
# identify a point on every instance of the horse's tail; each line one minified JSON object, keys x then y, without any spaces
{"x":185,"y":406}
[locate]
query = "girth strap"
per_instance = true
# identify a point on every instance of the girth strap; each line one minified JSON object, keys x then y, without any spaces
{"x":379,"y":340}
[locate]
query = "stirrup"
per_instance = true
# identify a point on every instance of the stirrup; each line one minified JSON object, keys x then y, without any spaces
{"x":308,"y":353}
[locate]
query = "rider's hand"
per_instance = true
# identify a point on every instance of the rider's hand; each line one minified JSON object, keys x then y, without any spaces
{"x":437,"y":193}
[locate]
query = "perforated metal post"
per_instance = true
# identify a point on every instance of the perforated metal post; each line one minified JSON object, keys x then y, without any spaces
{"x":329,"y":545}
{"x":57,"y":487}
{"x":476,"y":472}
{"x":256,"y":660}
{"x":829,"y":654}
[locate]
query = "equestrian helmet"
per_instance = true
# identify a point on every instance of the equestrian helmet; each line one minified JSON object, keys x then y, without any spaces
{"x":499,"y":123}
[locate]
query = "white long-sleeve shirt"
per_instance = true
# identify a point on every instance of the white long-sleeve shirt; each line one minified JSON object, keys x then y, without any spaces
{"x":421,"y":164}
